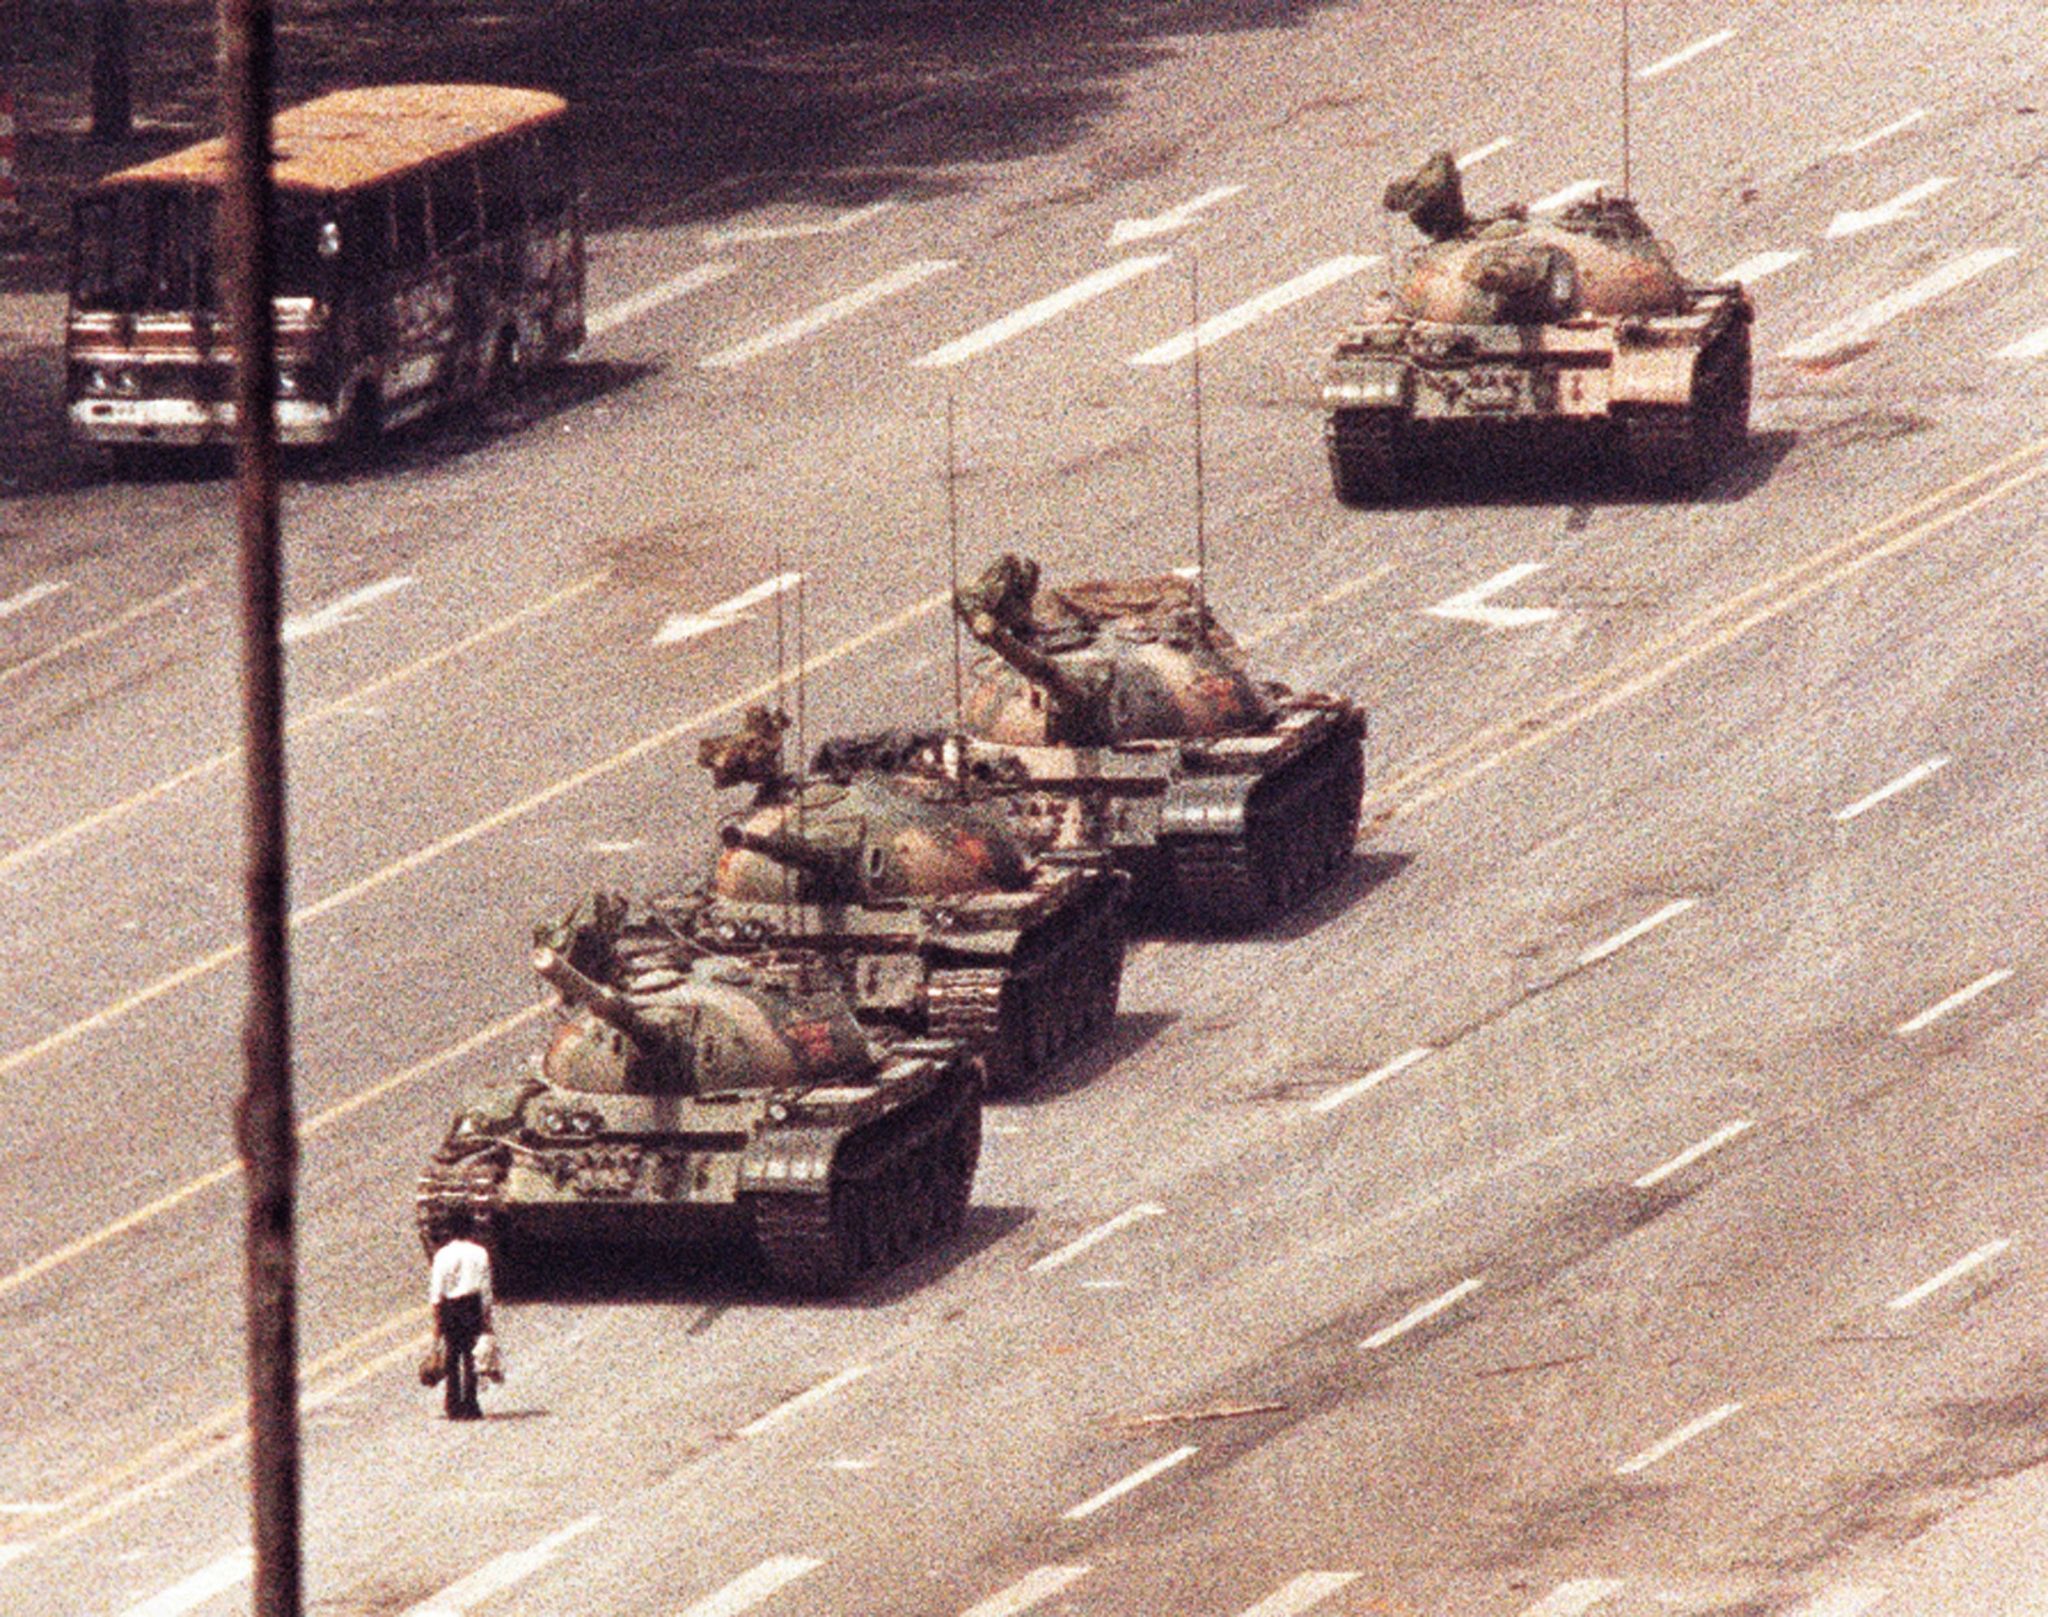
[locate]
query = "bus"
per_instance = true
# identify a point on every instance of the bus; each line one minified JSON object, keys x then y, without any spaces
{"x":429,"y":249}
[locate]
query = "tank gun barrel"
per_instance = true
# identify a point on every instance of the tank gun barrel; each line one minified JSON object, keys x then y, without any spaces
{"x":607,"y":1004}
{"x":785,"y":849}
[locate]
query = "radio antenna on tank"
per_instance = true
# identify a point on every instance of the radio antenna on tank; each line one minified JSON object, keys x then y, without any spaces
{"x":953,"y":559}
{"x":1201,"y":503}
{"x":1627,"y":188}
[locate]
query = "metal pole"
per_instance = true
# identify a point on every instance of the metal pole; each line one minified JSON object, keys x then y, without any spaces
{"x":953,"y":560}
{"x":1201,"y":500}
{"x":264,"y":1123}
{"x":1627,"y":189}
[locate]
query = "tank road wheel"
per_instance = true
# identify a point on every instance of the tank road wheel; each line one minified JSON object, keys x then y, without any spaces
{"x":1365,"y":456}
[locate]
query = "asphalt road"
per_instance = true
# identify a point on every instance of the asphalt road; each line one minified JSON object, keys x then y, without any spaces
{"x":1618,"y":1196}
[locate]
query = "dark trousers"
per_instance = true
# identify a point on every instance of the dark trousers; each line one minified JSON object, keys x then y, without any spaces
{"x":461,"y":1322}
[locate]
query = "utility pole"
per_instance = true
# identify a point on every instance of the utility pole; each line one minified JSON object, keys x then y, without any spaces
{"x":113,"y":109}
{"x":264,"y":1122}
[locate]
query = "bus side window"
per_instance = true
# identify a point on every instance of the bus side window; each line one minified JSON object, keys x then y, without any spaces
{"x":366,"y":234}
{"x":548,"y":176}
{"x":409,"y":223}
{"x":499,"y":172}
{"x":452,"y":185}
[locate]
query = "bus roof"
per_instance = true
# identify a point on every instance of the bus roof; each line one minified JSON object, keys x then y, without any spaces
{"x":349,"y":138}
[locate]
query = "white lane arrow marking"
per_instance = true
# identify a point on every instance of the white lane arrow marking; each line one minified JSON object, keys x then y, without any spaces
{"x":336,"y":613}
{"x":1899,"y":207}
{"x":1845,"y":338}
{"x":1574,"y":192}
{"x":28,"y":597}
{"x":1178,"y":218}
{"x":1897,"y":126}
{"x":837,"y":225}
{"x":1305,"y":285}
{"x":1470,"y":606}
{"x":689,"y":625}
{"x":198,"y":1589}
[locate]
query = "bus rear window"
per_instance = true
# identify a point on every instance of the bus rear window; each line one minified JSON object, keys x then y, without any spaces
{"x":144,"y":248}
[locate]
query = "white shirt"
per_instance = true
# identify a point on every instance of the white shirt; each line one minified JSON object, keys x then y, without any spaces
{"x":461,"y":1269}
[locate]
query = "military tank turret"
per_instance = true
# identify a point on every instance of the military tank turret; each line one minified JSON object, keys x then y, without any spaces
{"x":1118,"y":715}
{"x":932,"y":912}
{"x":685,"y":1097}
{"x":1508,"y":324}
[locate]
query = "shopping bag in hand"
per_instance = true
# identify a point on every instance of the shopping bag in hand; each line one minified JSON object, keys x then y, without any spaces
{"x":434,"y":1364}
{"x":490,"y":1364}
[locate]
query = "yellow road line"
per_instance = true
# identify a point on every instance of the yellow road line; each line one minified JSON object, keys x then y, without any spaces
{"x":16,"y":857}
{"x":1828,"y":562}
{"x":1545,"y":731}
{"x":71,"y":1251}
{"x":107,"y":1015}
{"x":87,"y":637}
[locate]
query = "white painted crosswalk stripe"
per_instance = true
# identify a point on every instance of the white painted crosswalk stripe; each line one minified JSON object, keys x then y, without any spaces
{"x":894,"y":284}
{"x":1423,"y":1314}
{"x":679,"y":286}
{"x":750,"y":1588}
{"x":1304,"y":285}
{"x":190,"y":1593}
{"x":1033,"y":1589}
{"x":494,"y":1577}
{"x":1666,"y":1446}
{"x":1576,"y":1598}
{"x":1847,"y":337}
{"x":1309,"y":1590}
{"x":1955,"y":1002}
{"x":2032,"y":346}
{"x":1050,"y":307}
{"x":1758,"y":265}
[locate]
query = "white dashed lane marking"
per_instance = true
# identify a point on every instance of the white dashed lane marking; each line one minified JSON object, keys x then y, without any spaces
{"x":1967,"y":1264}
{"x":190,"y":1593}
{"x":1372,"y":1080}
{"x":1906,"y":782}
{"x":1844,"y":1600}
{"x":750,"y":1588}
{"x":495,"y":1577}
{"x":1179,"y":218}
{"x":2032,"y":346}
{"x":1576,"y":1598}
{"x":1574,"y":192}
{"x":1423,"y":1314}
{"x":1102,"y":1232}
{"x":1895,"y":127}
{"x":1903,"y":206}
{"x":1758,"y":265}
{"x":691,"y":625}
{"x":1692,"y":1153}
{"x":1848,"y":337}
{"x":1678,"y":58}
{"x":804,"y":1400}
{"x":1300,"y":1594}
{"x":30,"y":596}
{"x":838,"y":225}
{"x":1677,"y":1440}
{"x":1954,"y":1002}
{"x":1033,"y":1589}
{"x":1305,"y":285}
{"x":894,"y":284}
{"x":1137,"y":1479}
{"x":680,"y":286}
{"x":1050,"y":307}
{"x":339,"y":612}
{"x":1629,"y":934}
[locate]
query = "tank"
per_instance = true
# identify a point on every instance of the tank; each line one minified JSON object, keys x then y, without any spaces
{"x":1117,"y":715}
{"x":1508,"y":324}
{"x":935,"y":916}
{"x":686,"y":1098}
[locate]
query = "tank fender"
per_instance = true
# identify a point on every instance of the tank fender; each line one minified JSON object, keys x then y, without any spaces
{"x":790,"y":1161}
{"x":1649,"y":374}
{"x":1205,"y":806}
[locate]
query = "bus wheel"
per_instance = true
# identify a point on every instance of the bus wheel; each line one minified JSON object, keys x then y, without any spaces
{"x":363,"y":425}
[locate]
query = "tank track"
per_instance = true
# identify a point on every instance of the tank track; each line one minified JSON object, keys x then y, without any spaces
{"x":472,"y":1184}
{"x":1677,"y":450}
{"x":1365,"y":456}
{"x":1299,"y":829}
{"x":1058,"y":992}
{"x":899,"y":1187}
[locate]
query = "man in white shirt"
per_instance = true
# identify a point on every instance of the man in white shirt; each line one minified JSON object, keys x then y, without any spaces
{"x":459,"y":1289}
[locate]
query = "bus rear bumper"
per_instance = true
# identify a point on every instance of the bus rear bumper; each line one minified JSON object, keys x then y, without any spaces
{"x":185,"y":424}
